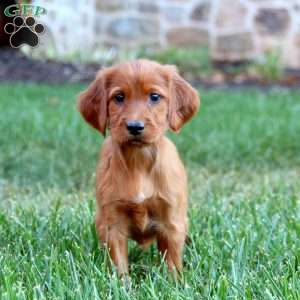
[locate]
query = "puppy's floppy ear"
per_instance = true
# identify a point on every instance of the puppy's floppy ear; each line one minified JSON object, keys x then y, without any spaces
{"x":92,"y":103}
{"x":184,"y":100}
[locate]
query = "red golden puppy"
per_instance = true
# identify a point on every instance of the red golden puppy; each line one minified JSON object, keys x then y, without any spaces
{"x":141,"y":184}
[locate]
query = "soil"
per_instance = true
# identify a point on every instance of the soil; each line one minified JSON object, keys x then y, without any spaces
{"x":290,"y":80}
{"x":16,"y":67}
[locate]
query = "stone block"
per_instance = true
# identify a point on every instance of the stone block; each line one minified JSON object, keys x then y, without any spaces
{"x":148,"y":7}
{"x":272,"y":21}
{"x":234,"y":47}
{"x":109,"y":5}
{"x":201,"y":12}
{"x":231,"y":14}
{"x":186,"y":36}
{"x":132,"y":28}
{"x":173,"y":13}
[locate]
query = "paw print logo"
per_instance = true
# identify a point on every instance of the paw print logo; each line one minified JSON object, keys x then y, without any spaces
{"x":24,"y":31}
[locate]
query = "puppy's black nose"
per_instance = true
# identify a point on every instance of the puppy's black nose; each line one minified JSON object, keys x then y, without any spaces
{"x":135,"y":127}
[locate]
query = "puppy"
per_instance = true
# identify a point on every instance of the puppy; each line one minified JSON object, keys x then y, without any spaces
{"x":141,"y":184}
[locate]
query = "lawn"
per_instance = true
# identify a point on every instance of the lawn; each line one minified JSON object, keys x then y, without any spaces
{"x":243,"y":156}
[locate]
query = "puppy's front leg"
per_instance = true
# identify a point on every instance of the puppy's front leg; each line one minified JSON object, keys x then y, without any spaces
{"x":116,"y":242}
{"x":171,"y":244}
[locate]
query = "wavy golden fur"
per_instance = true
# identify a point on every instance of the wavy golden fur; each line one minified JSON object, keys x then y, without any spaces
{"x":141,"y":184}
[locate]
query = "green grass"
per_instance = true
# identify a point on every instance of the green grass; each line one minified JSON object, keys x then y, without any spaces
{"x":243,"y":156}
{"x":193,"y":61}
{"x":269,"y":67}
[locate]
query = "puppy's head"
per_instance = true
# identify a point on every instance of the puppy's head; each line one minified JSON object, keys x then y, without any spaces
{"x":138,"y":101}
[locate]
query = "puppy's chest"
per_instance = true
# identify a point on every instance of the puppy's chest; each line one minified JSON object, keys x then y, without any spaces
{"x":139,"y":188}
{"x":141,"y":203}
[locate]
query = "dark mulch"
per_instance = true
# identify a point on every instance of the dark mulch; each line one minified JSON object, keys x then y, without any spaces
{"x":291,"y":80}
{"x":16,"y":67}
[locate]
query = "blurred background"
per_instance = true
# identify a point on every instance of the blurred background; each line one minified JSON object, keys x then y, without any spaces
{"x":211,"y":41}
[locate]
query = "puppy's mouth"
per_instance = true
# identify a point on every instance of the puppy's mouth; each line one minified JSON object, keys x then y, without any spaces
{"x":137,"y":142}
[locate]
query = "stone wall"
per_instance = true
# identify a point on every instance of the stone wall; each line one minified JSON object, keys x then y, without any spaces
{"x":233,"y":29}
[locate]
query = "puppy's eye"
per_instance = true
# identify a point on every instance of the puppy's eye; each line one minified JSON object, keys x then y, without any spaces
{"x":120,"y":98}
{"x":154,"y":97}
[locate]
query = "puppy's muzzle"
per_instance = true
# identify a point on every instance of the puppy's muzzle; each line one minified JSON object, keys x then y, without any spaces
{"x":135,"y":127}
